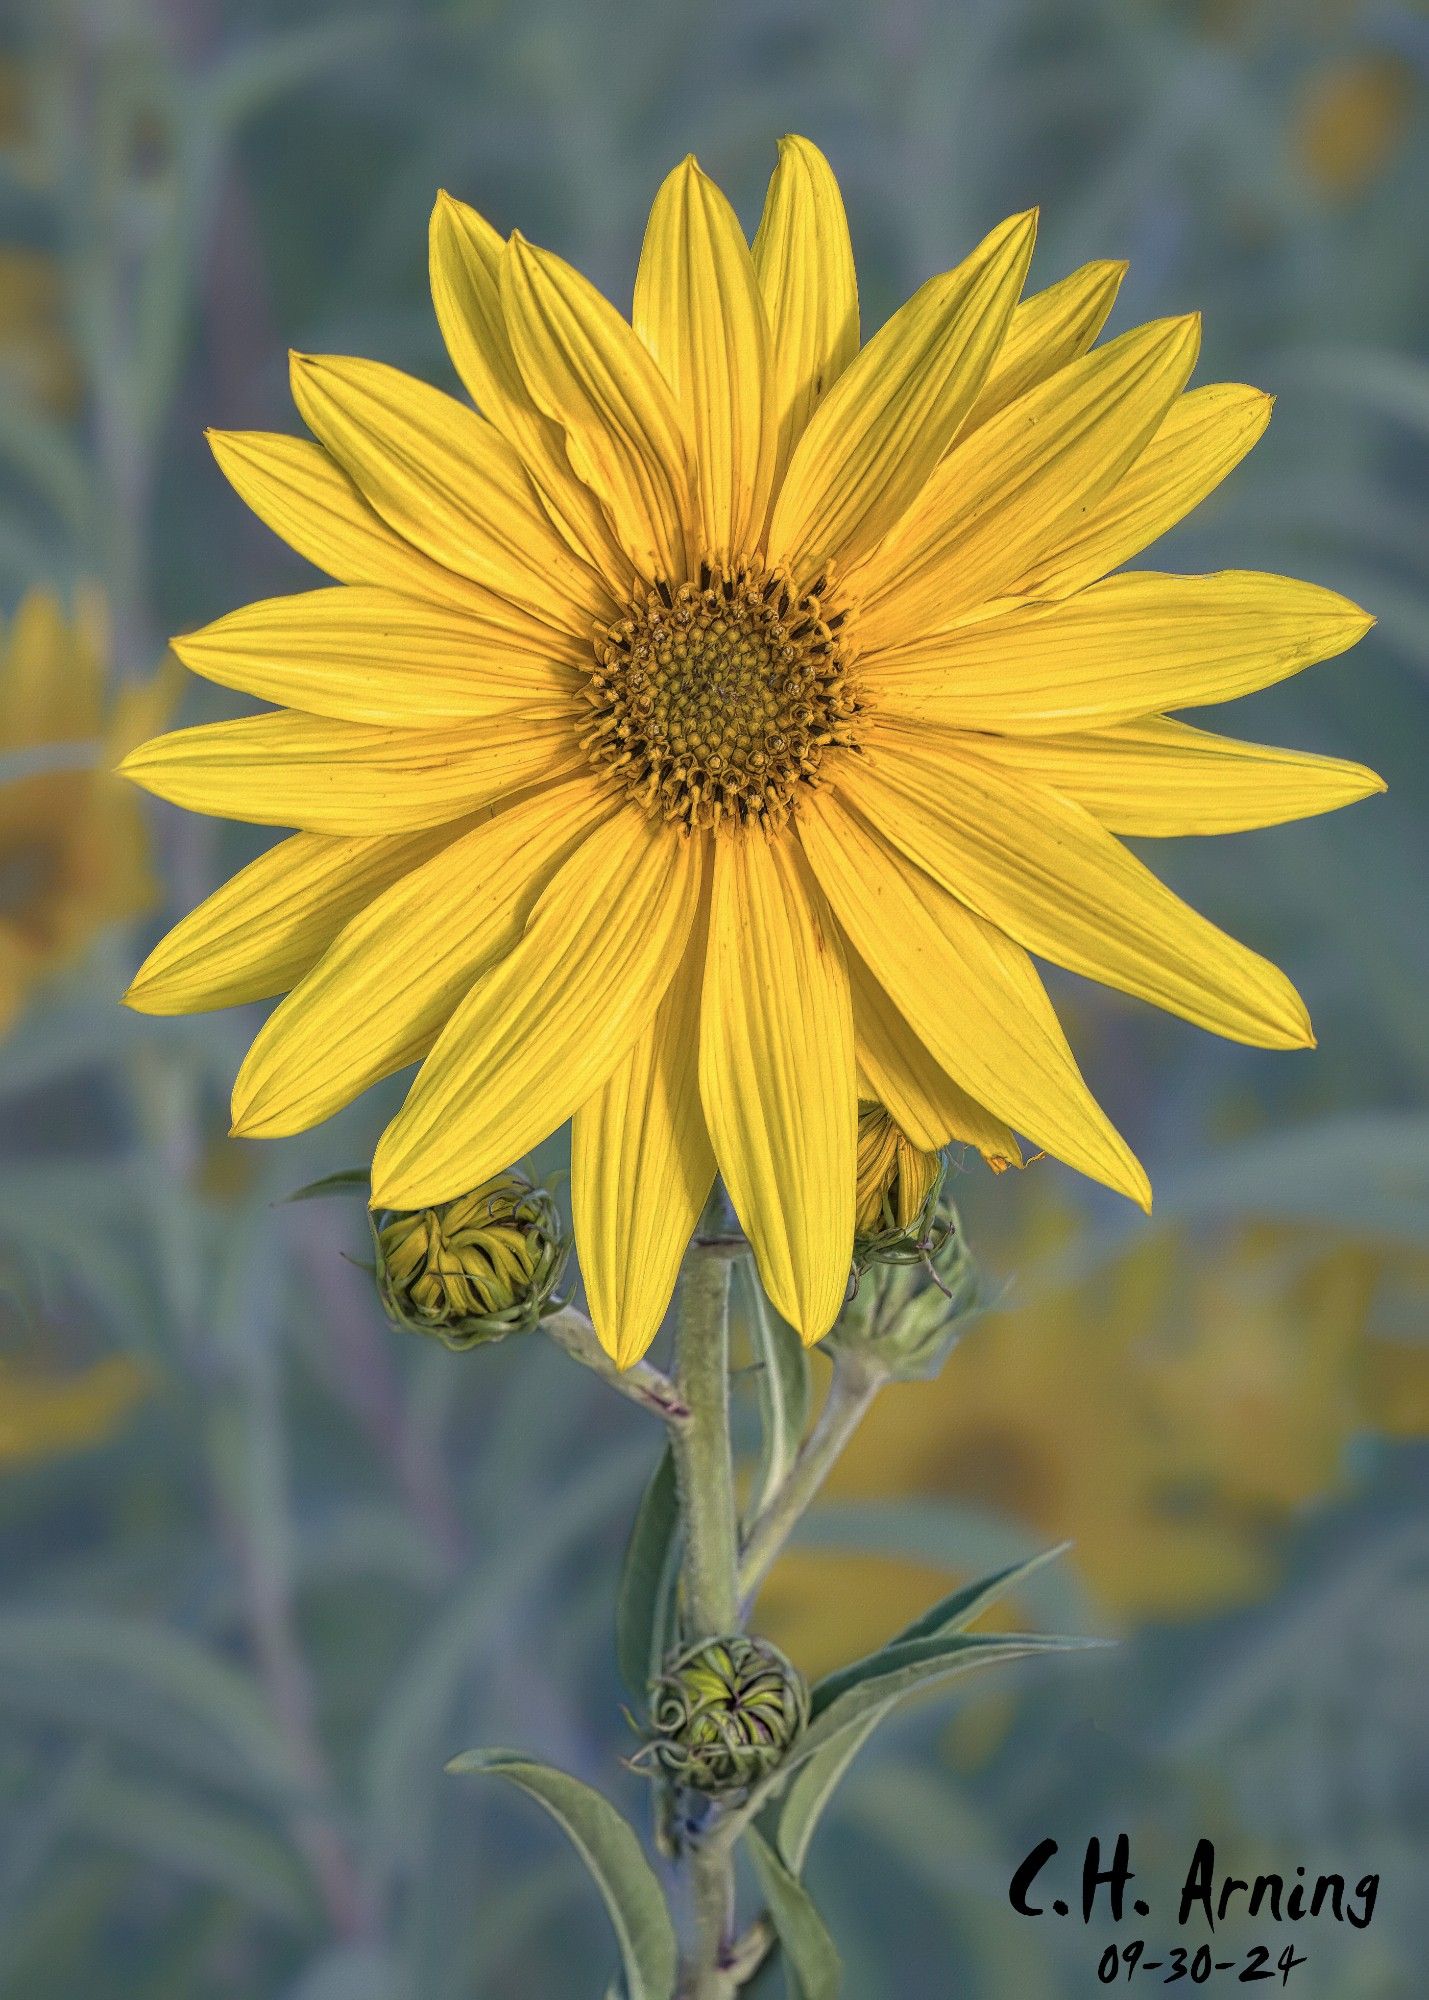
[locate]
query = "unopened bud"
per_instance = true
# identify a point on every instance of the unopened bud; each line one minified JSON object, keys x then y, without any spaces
{"x":474,"y":1269}
{"x":725,"y":1714}
{"x":915,"y":1292}
{"x":896,"y":1179}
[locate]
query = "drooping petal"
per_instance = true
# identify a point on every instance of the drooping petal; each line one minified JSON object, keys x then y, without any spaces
{"x":804,"y":261}
{"x":1157,"y":777}
{"x":1131,"y":645}
{"x":879,"y":432}
{"x":1205,"y":435}
{"x":306,"y":771}
{"x":907,"y":1079}
{"x":777,"y":1075}
{"x":447,"y":481}
{"x":699,"y":312}
{"x":969,"y":993}
{"x":368,"y":655}
{"x":642,"y":1169}
{"x":1003,"y":495}
{"x":465,"y":260}
{"x":1041,"y":869}
{"x":382,"y":993}
{"x":268,"y":925}
{"x":298,"y":491}
{"x":1048,"y":329}
{"x":544,"y":1028}
{"x":624,"y":432}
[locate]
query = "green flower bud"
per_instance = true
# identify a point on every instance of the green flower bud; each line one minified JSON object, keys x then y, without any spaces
{"x":897,"y":1219}
{"x":472,"y":1270}
{"x":724,"y":1714}
{"x":916,"y":1291}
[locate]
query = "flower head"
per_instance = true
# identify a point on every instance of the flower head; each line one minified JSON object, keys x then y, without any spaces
{"x":473,"y":1270}
{"x":725,"y":1714}
{"x":706,"y":733}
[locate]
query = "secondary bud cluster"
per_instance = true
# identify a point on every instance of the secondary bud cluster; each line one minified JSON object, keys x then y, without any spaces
{"x":725,"y":1714}
{"x":474,"y":1269}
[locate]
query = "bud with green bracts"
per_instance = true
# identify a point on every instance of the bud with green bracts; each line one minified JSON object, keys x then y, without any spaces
{"x":914,"y":1300}
{"x":475,"y":1269}
{"x":724,"y":1714}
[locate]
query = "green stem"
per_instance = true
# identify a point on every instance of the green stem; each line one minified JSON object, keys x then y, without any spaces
{"x":641,"y":1383}
{"x":704,"y":1471}
{"x":856,"y":1381}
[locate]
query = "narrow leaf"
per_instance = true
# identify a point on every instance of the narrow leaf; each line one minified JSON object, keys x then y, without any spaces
{"x":611,"y":1852}
{"x":810,"y":1958}
{"x":644,"y":1606}
{"x":782,"y":1363}
{"x":350,"y":1180}
{"x":957,"y":1611}
{"x":815,"y":1784}
{"x":939,"y":1652}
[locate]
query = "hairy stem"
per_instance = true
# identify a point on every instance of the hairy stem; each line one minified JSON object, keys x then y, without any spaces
{"x":642,"y":1383}
{"x":856,"y":1381}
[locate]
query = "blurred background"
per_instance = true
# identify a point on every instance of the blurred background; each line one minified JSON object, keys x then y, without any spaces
{"x":267,"y":1563}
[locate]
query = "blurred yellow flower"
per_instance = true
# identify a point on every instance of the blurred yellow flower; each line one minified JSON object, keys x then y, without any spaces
{"x":37,"y":357}
{"x":1169,"y":1417}
{"x":44,"y":1414}
{"x":74,"y":852}
{"x":1350,"y":120}
{"x":808,"y":704}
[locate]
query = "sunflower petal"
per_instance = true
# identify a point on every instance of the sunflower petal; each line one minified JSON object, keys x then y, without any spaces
{"x":1003,"y":495}
{"x":382,"y":993}
{"x":295,"y":489}
{"x":465,"y":261}
{"x":879,"y":432}
{"x":346,"y":777}
{"x":1131,"y":645}
{"x":447,"y":480}
{"x":1206,"y":434}
{"x":699,"y":312}
{"x":368,"y":655}
{"x":967,"y":991}
{"x":624,"y":432}
{"x":804,"y":261}
{"x":1043,"y":870}
{"x":542,"y":1030}
{"x":777,"y":1075}
{"x":907,"y":1080}
{"x":259,"y":933}
{"x":1157,"y":777}
{"x":1047,"y":330}
{"x":642,"y":1169}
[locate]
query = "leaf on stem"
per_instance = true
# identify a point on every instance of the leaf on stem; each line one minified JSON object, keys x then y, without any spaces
{"x":810,"y":1957}
{"x":645,"y":1603}
{"x":782,"y":1368}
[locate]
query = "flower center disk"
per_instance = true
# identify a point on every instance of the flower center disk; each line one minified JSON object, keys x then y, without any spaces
{"x":716,"y":701}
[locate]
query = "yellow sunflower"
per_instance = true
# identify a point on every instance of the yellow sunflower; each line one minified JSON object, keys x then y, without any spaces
{"x":705,"y":734}
{"x":74,"y":853}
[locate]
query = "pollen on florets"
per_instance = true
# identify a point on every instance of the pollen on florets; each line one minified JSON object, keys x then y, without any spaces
{"x":716,"y":700}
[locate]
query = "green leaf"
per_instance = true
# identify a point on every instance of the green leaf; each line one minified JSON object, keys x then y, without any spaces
{"x":348,"y":1180}
{"x":905,"y":1663}
{"x":811,"y":1961}
{"x":610,"y":1850}
{"x":958,"y":1610}
{"x":645,"y":1603}
{"x":815,"y":1784}
{"x":782,"y":1368}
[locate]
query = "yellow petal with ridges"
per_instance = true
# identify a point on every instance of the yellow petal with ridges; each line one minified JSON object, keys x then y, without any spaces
{"x":448,"y":482}
{"x":1205,"y":435}
{"x":298,"y":491}
{"x":909,"y":1082}
{"x":1041,"y":869}
{"x":879,"y":432}
{"x":1048,"y":330}
{"x":968,"y":992}
{"x":383,"y":992}
{"x":465,"y":255}
{"x":1157,"y":777}
{"x":368,"y":655}
{"x":1004,"y":494}
{"x":1131,"y":645}
{"x":642,"y":1169}
{"x":540,"y":1032}
{"x":347,"y":777}
{"x":625,"y":435}
{"x":272,"y":922}
{"x":804,"y":262}
{"x":777,"y":1073}
{"x":699,"y":312}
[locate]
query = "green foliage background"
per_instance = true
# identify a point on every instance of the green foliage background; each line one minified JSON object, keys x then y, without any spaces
{"x":239,"y":1638}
